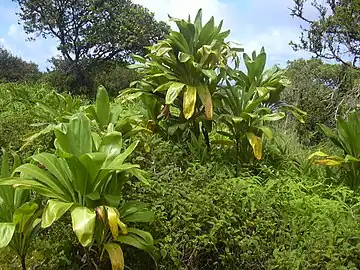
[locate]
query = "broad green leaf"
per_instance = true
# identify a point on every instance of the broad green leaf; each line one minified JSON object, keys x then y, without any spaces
{"x":256,"y":144}
{"x":173,"y":92}
{"x":74,"y":138}
{"x":184,"y":57}
{"x":102,"y":106}
{"x":58,"y":168}
{"x":44,"y":178}
{"x":53,"y":211}
{"x":137,"y":238}
{"x":7,"y":231}
{"x":140,"y":216}
{"x":119,"y":160}
{"x":318,"y":154}
{"x":111,"y":144}
{"x":210,"y":74}
{"x":83,"y":223}
{"x":273,"y":117}
{"x":24,"y":213}
{"x":163,"y":87}
{"x":116,"y":256}
{"x":222,"y":142}
{"x":267,"y":131}
{"x":189,"y":101}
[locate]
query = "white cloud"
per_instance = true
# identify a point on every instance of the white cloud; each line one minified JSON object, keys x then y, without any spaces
{"x":181,"y":9}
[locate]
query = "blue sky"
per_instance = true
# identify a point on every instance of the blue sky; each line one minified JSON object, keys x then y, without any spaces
{"x":253,"y":23}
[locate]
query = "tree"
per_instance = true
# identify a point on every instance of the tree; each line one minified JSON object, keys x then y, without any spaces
{"x":92,"y":31}
{"x":324,"y":91}
{"x":334,"y":34}
{"x":13,"y":68}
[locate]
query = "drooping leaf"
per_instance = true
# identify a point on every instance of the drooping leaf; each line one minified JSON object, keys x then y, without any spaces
{"x":53,"y":211}
{"x":7,"y":231}
{"x":137,"y":238}
{"x":256,"y":144}
{"x":116,"y":256}
{"x":83,"y":223}
{"x":189,"y":101}
{"x":173,"y":92}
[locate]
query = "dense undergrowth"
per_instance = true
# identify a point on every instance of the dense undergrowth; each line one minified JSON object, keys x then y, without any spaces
{"x":198,"y":165}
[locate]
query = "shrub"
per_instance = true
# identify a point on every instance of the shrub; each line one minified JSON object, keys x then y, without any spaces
{"x":206,"y":219}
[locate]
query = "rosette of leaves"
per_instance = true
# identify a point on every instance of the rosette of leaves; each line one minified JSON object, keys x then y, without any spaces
{"x":86,"y":177}
{"x":185,"y":68}
{"x":19,"y":218}
{"x":346,"y":138}
{"x":243,"y":110}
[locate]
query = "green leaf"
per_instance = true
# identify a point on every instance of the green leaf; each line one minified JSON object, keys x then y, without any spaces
{"x":267,"y":131}
{"x":222,"y":142}
{"x":137,"y":238}
{"x":184,"y":57}
{"x":7,"y":231}
{"x":102,"y":106}
{"x":53,"y":211}
{"x":173,"y":92}
{"x":83,"y":223}
{"x":189,"y":101}
{"x":119,"y":160}
{"x":273,"y":117}
{"x":210,"y":74}
{"x":139,"y":216}
{"x":24,"y":213}
{"x":74,"y":138}
{"x":116,"y":256}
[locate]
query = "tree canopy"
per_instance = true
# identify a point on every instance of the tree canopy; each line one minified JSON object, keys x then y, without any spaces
{"x":334,"y":34}
{"x":13,"y":68}
{"x":93,"y":29}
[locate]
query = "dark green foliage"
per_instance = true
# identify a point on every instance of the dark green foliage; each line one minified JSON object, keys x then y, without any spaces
{"x":14,"y":69}
{"x":334,"y":34}
{"x":90,"y":32}
{"x":111,"y":74}
{"x":207,"y":219}
{"x":324,"y":91}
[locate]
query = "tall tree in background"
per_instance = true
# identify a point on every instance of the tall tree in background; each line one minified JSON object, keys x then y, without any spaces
{"x":335,"y":33}
{"x":90,"y":32}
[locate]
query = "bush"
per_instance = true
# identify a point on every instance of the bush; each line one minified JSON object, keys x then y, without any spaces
{"x":14,"y":69}
{"x":207,"y":219}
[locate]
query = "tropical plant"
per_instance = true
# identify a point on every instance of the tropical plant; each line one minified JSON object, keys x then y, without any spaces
{"x":19,"y":218}
{"x":346,"y":138}
{"x":185,"y":68}
{"x":86,"y":177}
{"x":246,"y":106}
{"x":62,"y":107}
{"x":108,"y":117}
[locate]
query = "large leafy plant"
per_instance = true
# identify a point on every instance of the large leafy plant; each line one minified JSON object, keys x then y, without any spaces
{"x":185,"y":68}
{"x":19,"y":218}
{"x":86,"y":177}
{"x":245,"y":108}
{"x":108,"y":117}
{"x":347,"y":138}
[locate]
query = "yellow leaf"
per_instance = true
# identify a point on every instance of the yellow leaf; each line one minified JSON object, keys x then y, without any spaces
{"x":206,"y":100}
{"x":123,"y":227}
{"x":256,"y":144}
{"x":116,"y":256}
{"x":327,"y":162}
{"x":189,"y":101}
{"x":113,"y":218}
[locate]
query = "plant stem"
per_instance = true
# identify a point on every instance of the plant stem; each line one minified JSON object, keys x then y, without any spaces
{"x":23,"y":263}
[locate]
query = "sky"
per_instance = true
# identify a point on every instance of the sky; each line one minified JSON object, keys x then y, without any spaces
{"x":253,"y":23}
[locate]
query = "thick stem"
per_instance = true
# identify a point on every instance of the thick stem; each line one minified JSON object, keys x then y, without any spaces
{"x":23,"y":262}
